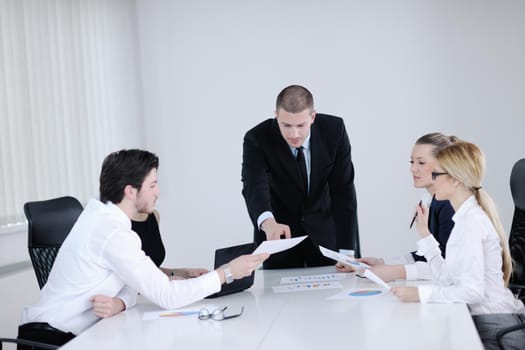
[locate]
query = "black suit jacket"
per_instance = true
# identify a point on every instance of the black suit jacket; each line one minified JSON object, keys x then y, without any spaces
{"x":272,"y":182}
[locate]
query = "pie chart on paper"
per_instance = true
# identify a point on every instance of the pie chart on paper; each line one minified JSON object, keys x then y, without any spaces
{"x":364,"y":293}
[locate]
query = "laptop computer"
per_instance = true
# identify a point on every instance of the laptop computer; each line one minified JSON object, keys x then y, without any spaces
{"x":224,"y":256}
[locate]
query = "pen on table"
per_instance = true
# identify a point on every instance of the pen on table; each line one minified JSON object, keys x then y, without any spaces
{"x":414,"y":218}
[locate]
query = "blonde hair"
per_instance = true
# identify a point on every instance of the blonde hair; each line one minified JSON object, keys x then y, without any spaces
{"x":465,"y":162}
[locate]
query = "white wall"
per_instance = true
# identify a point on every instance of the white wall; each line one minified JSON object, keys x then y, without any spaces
{"x":393,"y":69}
{"x":18,"y":288}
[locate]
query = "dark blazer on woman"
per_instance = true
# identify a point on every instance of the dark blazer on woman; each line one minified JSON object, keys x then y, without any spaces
{"x":149,"y":234}
{"x":272,"y":182}
{"x":440,"y":224}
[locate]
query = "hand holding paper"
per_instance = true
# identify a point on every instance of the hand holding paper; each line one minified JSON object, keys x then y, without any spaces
{"x":277,"y":246}
{"x":375,"y":278}
{"x":355,"y":264}
{"x":342,"y":258}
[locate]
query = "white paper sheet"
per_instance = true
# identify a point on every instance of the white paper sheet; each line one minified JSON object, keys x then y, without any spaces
{"x":314,"y":278}
{"x":343,"y":258}
{"x":347,"y":252}
{"x":358,"y":294}
{"x":277,"y":245}
{"x":302,"y":287}
{"x":375,"y":278}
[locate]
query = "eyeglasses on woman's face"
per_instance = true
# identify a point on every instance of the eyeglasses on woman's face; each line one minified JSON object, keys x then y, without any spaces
{"x":217,"y":314}
{"x":436,"y":174}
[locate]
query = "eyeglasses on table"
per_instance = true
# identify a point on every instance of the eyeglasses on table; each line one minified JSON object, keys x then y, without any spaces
{"x":217,"y":314}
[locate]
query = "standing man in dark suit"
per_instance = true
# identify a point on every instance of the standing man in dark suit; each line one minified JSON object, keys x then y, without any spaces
{"x":298,"y":179}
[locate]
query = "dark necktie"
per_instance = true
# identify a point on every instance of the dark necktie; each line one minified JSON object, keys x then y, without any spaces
{"x":301,"y":163}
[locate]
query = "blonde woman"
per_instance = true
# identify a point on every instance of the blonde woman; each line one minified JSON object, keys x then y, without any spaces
{"x":477,"y":266}
{"x":412,"y":266}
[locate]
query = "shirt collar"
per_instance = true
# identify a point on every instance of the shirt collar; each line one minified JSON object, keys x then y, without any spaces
{"x":112,"y":209}
{"x":468,"y":204}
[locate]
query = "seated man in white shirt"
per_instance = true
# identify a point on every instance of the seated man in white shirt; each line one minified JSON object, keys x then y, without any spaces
{"x":101,"y":266}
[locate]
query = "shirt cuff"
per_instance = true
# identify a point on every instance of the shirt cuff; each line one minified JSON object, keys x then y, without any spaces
{"x":424,"y":293}
{"x":128,"y":297}
{"x":213,"y":279}
{"x":428,"y":247}
{"x":411,"y":272}
{"x":265,"y":215}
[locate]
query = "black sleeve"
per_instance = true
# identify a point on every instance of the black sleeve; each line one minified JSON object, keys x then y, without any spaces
{"x":256,"y":188}
{"x":343,"y":196}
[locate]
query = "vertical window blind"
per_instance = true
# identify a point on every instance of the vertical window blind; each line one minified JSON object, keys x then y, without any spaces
{"x":69,"y":95}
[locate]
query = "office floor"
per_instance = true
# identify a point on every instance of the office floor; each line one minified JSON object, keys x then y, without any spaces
{"x":17,"y":289}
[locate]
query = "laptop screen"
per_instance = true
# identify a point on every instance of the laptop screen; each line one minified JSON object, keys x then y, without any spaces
{"x":224,"y":256}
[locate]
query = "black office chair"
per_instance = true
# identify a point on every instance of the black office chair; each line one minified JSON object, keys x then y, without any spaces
{"x":34,"y":344}
{"x":517,"y":241}
{"x":517,"y":231}
{"x":48,"y":224}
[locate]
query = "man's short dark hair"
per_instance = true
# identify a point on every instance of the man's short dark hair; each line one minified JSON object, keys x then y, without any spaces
{"x":295,"y":99}
{"x":122,"y":168}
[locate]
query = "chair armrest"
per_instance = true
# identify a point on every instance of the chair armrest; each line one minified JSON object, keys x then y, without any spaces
{"x":28,"y":343}
{"x":504,"y":331}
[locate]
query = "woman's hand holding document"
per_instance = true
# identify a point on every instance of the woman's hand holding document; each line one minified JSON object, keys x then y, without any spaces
{"x":355,"y":264}
{"x":375,"y":278}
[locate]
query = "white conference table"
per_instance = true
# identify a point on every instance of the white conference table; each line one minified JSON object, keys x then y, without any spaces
{"x":295,"y":320}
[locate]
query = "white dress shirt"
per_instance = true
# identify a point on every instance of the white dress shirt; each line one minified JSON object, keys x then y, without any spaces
{"x":102,"y":255}
{"x":471,"y":273}
{"x":308,"y":161}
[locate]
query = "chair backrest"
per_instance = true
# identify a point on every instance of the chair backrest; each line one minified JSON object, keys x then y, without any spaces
{"x":517,"y":184}
{"x":517,"y":231}
{"x":48,"y":224}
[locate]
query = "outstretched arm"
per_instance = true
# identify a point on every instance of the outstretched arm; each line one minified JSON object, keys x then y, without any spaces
{"x":256,"y":188}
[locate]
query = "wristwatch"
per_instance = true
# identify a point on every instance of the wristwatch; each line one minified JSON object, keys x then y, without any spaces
{"x":228,"y":274}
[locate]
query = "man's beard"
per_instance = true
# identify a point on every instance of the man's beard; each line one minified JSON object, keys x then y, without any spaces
{"x":142,"y":207}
